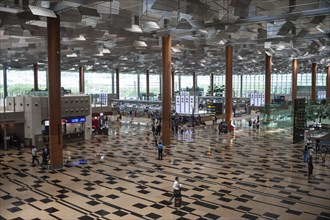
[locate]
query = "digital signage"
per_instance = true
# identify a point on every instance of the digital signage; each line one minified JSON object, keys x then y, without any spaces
{"x":76,"y":120}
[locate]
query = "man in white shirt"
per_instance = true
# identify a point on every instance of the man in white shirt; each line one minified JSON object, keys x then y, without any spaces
{"x":34,"y":155}
{"x":176,"y":189}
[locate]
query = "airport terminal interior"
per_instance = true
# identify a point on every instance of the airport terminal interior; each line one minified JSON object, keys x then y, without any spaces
{"x":247,"y":174}
{"x":110,"y":54}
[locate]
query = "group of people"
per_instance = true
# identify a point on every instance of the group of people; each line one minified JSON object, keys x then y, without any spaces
{"x":308,"y":155}
{"x":45,"y":155}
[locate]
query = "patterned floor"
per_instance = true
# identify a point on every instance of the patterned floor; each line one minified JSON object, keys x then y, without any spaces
{"x":249,"y":174}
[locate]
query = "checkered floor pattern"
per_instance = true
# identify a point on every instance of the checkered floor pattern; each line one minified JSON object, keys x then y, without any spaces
{"x":247,"y":174}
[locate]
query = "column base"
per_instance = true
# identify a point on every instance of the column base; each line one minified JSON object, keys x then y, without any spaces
{"x":56,"y":166}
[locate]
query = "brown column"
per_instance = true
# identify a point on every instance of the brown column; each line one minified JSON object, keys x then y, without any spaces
{"x":54,"y":93}
{"x":194,"y":84}
{"x":173,"y":92}
{"x":147,"y":84}
{"x":35,"y":73}
{"x":212,"y":84}
{"x":81,"y":80}
{"x":328,"y":83}
{"x":229,"y":85}
{"x":313,"y":97}
{"x":294,"y":79}
{"x":194,"y":91}
{"x":268,"y":68}
{"x":166,"y":90}
{"x":117,"y":82}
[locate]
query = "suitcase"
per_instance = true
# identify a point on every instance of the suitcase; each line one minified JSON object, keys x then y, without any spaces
{"x":177,"y":201}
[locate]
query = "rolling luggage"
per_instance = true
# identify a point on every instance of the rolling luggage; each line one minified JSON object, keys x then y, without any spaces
{"x":177,"y":201}
{"x":177,"y":198}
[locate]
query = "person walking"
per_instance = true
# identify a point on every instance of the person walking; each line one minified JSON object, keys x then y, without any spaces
{"x":323,"y":153}
{"x":176,"y":189}
{"x":156,"y":140}
{"x":310,"y":167}
{"x":148,"y":139}
{"x":160,"y":150}
{"x":45,"y":154}
{"x":34,"y":151}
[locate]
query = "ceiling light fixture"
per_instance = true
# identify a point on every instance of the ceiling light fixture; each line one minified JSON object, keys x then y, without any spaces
{"x":99,"y":54}
{"x":40,"y":11}
{"x":318,"y":27}
{"x":80,"y":38}
{"x":222,"y":42}
{"x":105,"y":50}
{"x":135,"y":28}
{"x":71,"y":55}
{"x":150,"y":26}
{"x":268,"y":53}
{"x":139,"y":44}
{"x":175,"y":50}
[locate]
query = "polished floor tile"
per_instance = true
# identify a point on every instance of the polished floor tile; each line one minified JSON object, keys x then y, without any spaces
{"x":247,"y":174}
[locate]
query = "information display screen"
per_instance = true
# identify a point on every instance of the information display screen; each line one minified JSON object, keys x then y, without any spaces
{"x":76,"y":120}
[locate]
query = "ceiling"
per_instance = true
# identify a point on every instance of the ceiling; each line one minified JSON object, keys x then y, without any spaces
{"x":126,"y":34}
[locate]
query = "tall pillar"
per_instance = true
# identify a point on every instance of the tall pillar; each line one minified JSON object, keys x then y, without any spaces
{"x":229,"y":86}
{"x":35,"y":74}
{"x":5,"y":86}
{"x":47,"y":78}
{"x":294,"y":79}
{"x":81,"y":80}
{"x":54,"y":93}
{"x":173,"y":92}
{"x":194,"y":90}
{"x":211,"y":84}
{"x":160,"y":85}
{"x":268,"y":68}
{"x":313,"y":97}
{"x":147,"y":83}
{"x":117,"y":83}
{"x":194,"y":83}
{"x":241,"y":91}
{"x":113,"y":83}
{"x":166,"y":90}
{"x":328,"y":83}
{"x":138,"y":85}
{"x":179,"y":82}
{"x":5,"y":91}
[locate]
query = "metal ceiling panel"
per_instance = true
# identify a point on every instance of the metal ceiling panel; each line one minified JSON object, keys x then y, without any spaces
{"x":111,"y":7}
{"x":240,"y":4}
{"x":286,"y":28}
{"x":13,"y":30}
{"x":233,"y":28}
{"x":206,"y":22}
{"x":302,"y":33}
{"x":88,"y":11}
{"x":318,"y":19}
{"x":40,"y":11}
{"x":71,"y":15}
{"x":183,"y":24}
{"x":150,"y":16}
{"x":27,"y":15}
{"x":168,"y":5}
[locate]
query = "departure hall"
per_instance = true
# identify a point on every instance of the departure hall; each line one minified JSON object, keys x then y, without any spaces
{"x":165,"y":109}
